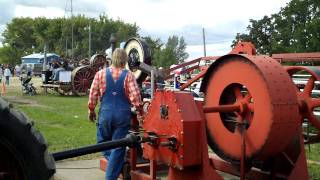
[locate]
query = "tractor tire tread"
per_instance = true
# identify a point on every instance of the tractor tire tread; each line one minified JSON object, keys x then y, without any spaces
{"x":28,"y":142}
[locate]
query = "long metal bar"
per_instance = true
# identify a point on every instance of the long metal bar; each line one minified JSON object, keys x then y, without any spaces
{"x":89,"y":39}
{"x":72,"y":26}
{"x":44,"y":64}
{"x":204,"y":43}
{"x":130,"y":140}
{"x":221,"y":108}
{"x":194,"y":79}
{"x":152,"y":83}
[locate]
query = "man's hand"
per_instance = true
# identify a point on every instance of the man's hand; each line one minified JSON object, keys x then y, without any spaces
{"x":92,"y":116}
{"x":140,"y":118}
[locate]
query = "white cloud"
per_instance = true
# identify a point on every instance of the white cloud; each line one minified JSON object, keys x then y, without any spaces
{"x":174,"y":14}
{"x":222,"y":19}
{"x":216,"y":49}
{"x":31,"y":11}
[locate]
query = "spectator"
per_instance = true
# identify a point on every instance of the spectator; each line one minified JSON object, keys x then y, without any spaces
{"x":17,"y":70}
{"x":29,"y":70}
{"x":7,"y":74}
{"x":65,"y":67}
{"x":1,"y":73}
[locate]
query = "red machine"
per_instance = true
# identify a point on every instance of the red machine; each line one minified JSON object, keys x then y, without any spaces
{"x":251,"y":118}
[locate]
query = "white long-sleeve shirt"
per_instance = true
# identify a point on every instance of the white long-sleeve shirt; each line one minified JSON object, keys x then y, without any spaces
{"x":7,"y":72}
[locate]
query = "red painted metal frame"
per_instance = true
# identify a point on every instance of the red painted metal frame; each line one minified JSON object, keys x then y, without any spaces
{"x":195,"y":65}
{"x":297,"y":57}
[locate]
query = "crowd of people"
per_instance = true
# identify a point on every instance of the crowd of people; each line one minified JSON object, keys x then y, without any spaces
{"x":7,"y":71}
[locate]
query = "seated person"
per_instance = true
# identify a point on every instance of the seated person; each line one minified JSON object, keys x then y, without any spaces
{"x":55,"y":72}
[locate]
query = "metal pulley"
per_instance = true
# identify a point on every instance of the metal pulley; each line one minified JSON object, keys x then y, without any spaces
{"x":252,"y":94}
{"x":138,"y":52}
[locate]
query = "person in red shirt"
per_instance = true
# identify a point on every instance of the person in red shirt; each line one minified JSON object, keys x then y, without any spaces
{"x":117,"y":90}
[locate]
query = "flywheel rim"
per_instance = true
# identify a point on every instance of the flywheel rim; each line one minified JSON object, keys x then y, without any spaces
{"x":264,"y":78}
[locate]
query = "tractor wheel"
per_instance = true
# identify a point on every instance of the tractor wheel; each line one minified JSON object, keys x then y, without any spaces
{"x":23,"y":150}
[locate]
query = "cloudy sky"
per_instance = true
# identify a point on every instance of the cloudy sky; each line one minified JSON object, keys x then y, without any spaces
{"x":222,"y":19}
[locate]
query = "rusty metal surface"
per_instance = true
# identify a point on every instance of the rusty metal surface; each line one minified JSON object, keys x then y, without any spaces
{"x":268,"y":101}
{"x":297,"y":57}
{"x":244,"y":48}
{"x":182,"y":122}
{"x":306,"y":102}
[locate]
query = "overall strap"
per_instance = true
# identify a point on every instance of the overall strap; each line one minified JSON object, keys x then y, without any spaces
{"x":109,"y":80}
{"x":120,"y":82}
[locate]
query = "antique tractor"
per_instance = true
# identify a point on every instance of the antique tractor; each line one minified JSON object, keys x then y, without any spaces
{"x":76,"y":81}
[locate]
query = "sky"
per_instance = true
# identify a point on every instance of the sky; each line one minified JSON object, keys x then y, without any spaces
{"x":221,"y":19}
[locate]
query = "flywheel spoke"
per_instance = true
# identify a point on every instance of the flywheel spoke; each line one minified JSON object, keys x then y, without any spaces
{"x":309,"y":86}
{"x":313,"y":119}
{"x":237,"y":93}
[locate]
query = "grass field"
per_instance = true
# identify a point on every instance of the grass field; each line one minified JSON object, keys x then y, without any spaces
{"x":63,"y":121}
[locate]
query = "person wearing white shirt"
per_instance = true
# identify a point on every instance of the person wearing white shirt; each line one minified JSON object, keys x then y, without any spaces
{"x":17,"y":70}
{"x":1,"y":73}
{"x":7,"y":74}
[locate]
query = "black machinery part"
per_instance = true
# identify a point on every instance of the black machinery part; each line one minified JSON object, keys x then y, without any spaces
{"x":130,"y":140}
{"x":138,"y":51}
{"x":23,"y":150}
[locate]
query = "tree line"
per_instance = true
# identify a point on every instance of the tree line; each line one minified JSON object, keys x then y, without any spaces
{"x":24,"y":36}
{"x":296,"y":28}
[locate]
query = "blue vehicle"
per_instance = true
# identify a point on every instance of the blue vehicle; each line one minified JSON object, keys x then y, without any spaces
{"x":36,"y":61}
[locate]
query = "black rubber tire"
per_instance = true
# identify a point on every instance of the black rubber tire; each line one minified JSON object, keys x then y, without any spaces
{"x":32,"y":91}
{"x":25,"y":144}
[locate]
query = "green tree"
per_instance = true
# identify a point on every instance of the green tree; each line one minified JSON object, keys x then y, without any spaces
{"x":173,"y":52}
{"x":19,"y":35}
{"x":260,"y":32}
{"x":9,"y":55}
{"x":27,"y":35}
{"x":296,"y":28}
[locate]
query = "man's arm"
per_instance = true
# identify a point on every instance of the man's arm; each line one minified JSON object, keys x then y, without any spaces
{"x":94,"y":95}
{"x":134,"y":92}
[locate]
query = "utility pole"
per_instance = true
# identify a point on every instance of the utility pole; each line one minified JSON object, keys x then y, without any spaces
{"x":89,"y":39}
{"x":204,"y":43}
{"x":66,"y":47}
{"x":44,"y":65}
{"x":71,"y":30}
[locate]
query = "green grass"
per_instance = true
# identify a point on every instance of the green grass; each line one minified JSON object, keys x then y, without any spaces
{"x":313,"y":155}
{"x":61,"y":119}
